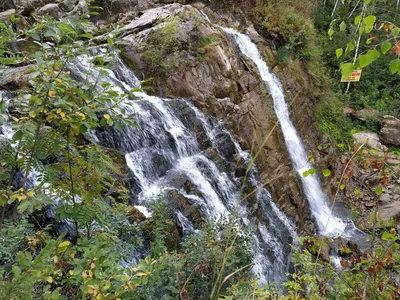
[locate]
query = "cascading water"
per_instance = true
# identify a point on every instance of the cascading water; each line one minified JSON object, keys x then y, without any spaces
{"x":327,"y":223}
{"x":177,"y":149}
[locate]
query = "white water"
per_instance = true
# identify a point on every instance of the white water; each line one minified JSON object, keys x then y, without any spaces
{"x":327,"y":223}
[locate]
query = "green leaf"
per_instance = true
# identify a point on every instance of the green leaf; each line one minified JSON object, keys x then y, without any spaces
{"x":331,"y":31}
{"x":394,"y":66}
{"x":379,"y":190}
{"x":357,"y":19}
{"x":369,"y":22}
{"x":342,"y":186}
{"x":386,"y":235}
{"x":87,"y":36}
{"x":34,"y":35}
{"x":17,"y":135}
{"x":34,"y":74}
{"x":343,"y":26}
{"x":366,"y":59}
{"x":326,"y":172}
{"x":357,"y":193}
{"x":386,"y":46}
{"x":119,"y":126}
{"x":339,"y":52}
{"x":312,"y":171}
{"x":367,"y":1}
{"x":305,"y":174}
{"x":110,"y":41}
{"x":395,"y":31}
{"x":350,"y":47}
{"x":346,"y":69}
{"x":50,"y":33}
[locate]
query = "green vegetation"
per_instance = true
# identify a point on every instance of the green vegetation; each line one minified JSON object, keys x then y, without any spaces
{"x":163,"y":42}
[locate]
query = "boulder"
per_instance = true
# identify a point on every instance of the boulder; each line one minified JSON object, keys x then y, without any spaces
{"x":370,"y":138}
{"x":390,"y":131}
{"x":13,"y":78}
{"x":26,"y":6}
{"x":51,"y":9}
{"x":5,"y":15}
{"x":366,"y":114}
{"x":348,"y":111}
{"x":390,"y":210}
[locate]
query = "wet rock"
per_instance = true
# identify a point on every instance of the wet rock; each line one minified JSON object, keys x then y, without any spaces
{"x":224,"y":142}
{"x":182,"y":203}
{"x":369,"y":138}
{"x":366,"y":114}
{"x":390,"y":131}
{"x":135,"y":215}
{"x":324,"y":252}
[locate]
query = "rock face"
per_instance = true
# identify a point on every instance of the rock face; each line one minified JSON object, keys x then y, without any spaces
{"x":207,"y":67}
{"x":390,"y":131}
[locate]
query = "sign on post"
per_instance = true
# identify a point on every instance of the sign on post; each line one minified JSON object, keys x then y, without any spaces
{"x":355,"y":76}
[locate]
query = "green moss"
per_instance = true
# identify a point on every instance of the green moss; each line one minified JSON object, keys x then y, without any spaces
{"x":162,"y":48}
{"x":127,"y":61}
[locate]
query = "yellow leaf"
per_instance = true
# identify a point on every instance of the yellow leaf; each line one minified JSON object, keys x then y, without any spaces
{"x":59,"y":110}
{"x":92,"y":265}
{"x":56,"y":259}
{"x":131,"y":286}
{"x":71,"y":272}
{"x":49,"y":279}
{"x":90,"y":274}
{"x":100,"y":296}
{"x":107,"y":116}
{"x":52,"y":94}
{"x":64,"y":244}
{"x":30,"y":193}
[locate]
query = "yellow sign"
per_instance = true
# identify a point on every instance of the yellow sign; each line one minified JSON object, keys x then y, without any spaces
{"x":355,"y":76}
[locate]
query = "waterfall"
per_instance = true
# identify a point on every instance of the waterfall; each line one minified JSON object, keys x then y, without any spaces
{"x":177,"y":149}
{"x":327,"y":223}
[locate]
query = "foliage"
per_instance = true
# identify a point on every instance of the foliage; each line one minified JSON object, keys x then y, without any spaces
{"x":332,"y":122}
